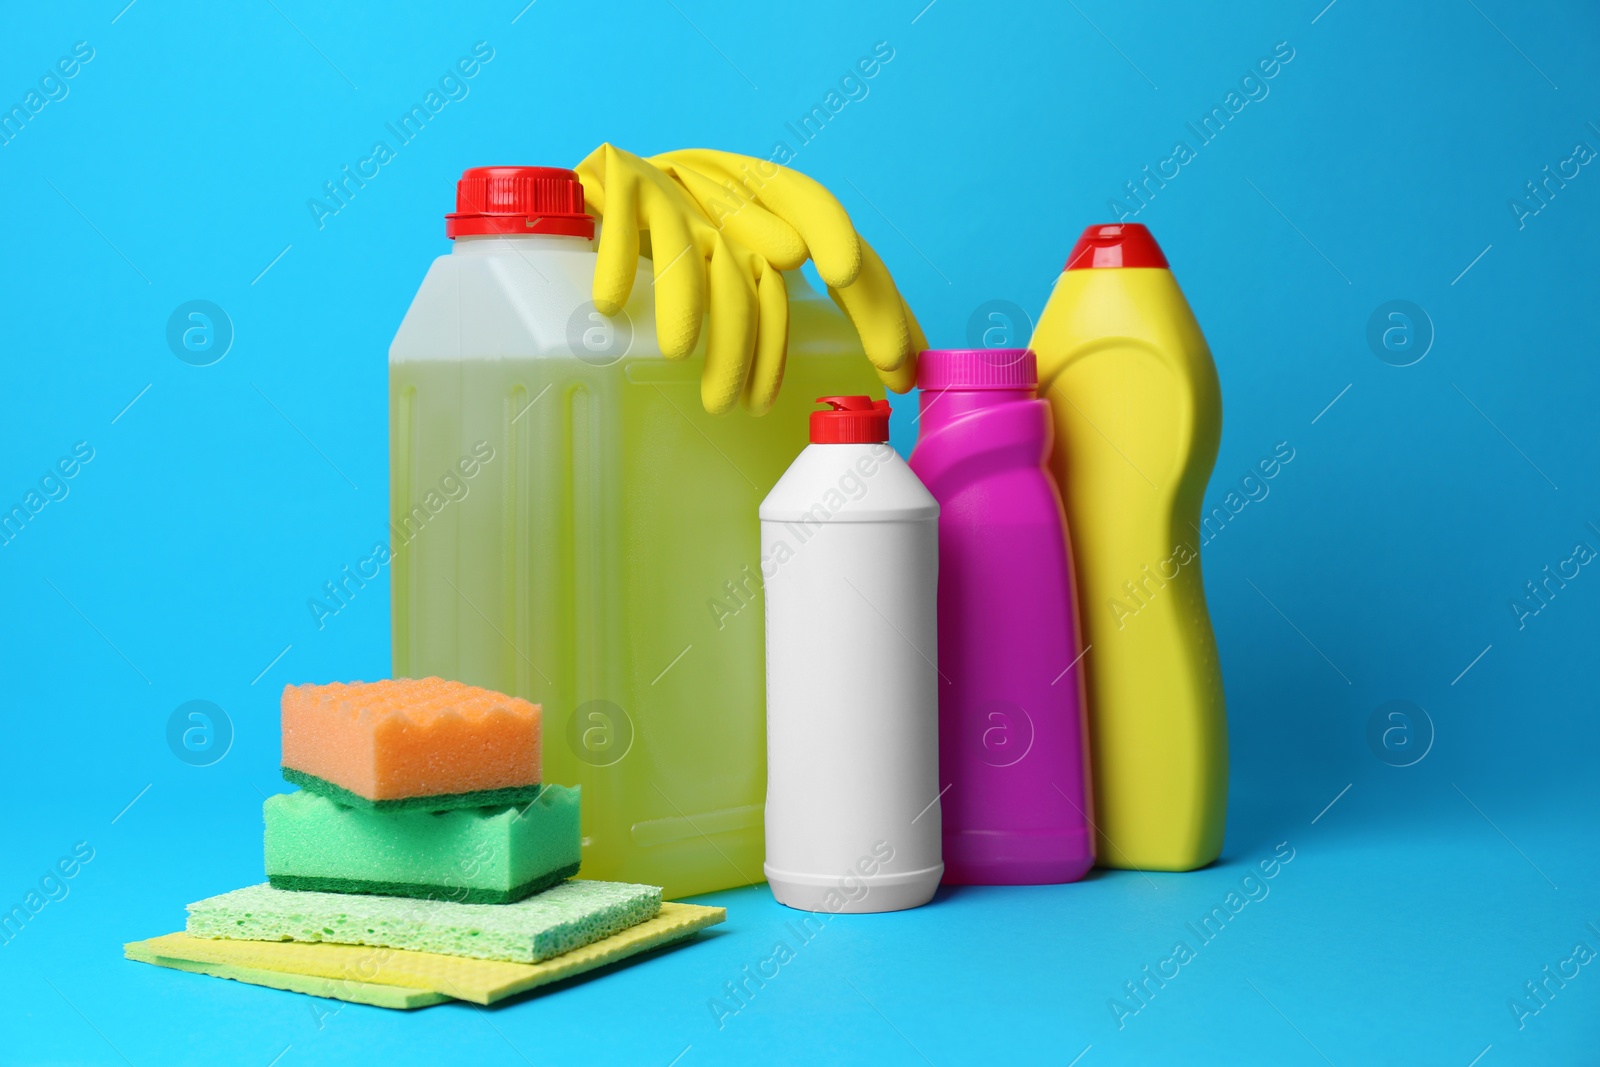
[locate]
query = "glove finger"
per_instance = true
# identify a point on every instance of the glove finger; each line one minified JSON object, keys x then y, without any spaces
{"x":680,"y":283}
{"x":732,"y":330}
{"x":772,"y":343}
{"x":902,"y":379}
{"x":818,"y":217}
{"x":874,"y":307}
{"x":617,"y":257}
{"x":907,"y":374}
{"x":744,"y":220}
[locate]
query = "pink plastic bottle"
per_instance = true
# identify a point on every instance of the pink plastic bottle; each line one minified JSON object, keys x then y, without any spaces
{"x":1013,"y":749}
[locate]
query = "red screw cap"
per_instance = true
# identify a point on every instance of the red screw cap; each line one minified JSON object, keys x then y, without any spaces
{"x":850,"y":420}
{"x":519,"y":200}
{"x":1121,"y":244}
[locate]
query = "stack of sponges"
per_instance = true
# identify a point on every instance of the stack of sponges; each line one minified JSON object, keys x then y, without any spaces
{"x":422,"y":860}
{"x":417,"y":788}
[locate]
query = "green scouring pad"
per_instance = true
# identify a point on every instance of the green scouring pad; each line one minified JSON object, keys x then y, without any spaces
{"x":469,"y":855}
{"x":558,"y":920}
{"x":482,"y":798}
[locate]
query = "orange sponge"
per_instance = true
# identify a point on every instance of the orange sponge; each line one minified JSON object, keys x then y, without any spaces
{"x":411,"y":743}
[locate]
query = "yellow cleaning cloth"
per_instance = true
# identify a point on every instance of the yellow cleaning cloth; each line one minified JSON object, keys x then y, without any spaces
{"x":480,"y":981}
{"x":382,"y":996}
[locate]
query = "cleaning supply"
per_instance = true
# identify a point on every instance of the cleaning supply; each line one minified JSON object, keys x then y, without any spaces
{"x":569,"y":525}
{"x":769,"y":218}
{"x":850,"y":562}
{"x":785,"y":216}
{"x":461,"y":978}
{"x":745,"y":345}
{"x":350,"y":989}
{"x":469,"y":855}
{"x":1138,"y":417}
{"x":560,"y":919}
{"x":411,"y":743}
{"x":508,"y":920}
{"x":1013,"y":757}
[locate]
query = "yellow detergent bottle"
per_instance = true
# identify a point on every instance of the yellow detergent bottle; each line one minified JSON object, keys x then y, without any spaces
{"x":567,"y":524}
{"x":1138,"y":417}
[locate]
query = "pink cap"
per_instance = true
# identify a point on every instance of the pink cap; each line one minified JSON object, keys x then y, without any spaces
{"x":977,"y":368}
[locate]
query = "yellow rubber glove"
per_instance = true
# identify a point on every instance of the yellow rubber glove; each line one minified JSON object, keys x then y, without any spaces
{"x":785,"y":217}
{"x":696,"y":266}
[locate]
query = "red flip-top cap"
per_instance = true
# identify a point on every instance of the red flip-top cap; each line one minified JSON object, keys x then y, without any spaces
{"x":1119,"y":244}
{"x":519,"y":200}
{"x":850,"y":420}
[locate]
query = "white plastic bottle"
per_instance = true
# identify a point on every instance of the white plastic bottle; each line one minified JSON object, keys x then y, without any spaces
{"x":850,"y":562}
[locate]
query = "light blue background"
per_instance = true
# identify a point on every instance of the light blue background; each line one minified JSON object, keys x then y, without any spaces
{"x":1381,"y":566}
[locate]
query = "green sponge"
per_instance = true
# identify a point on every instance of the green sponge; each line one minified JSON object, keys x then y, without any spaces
{"x":469,"y":855}
{"x":482,"y":798}
{"x":554,"y":922}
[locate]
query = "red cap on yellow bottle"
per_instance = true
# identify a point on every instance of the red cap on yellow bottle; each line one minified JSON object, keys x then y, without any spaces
{"x":1118,"y":244}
